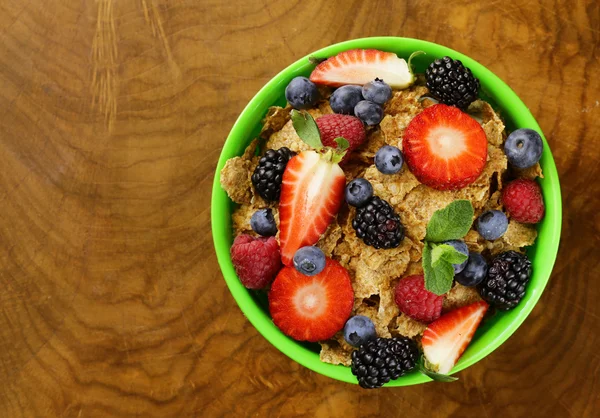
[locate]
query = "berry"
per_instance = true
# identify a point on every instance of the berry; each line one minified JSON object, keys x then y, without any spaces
{"x":474,"y":272}
{"x":378,"y":225}
{"x":461,"y":247}
{"x":263,"y":223}
{"x":344,"y":99}
{"x":309,"y":260}
{"x":446,"y":339}
{"x":311,"y":195}
{"x":444,"y":148}
{"x":417,"y":302}
{"x":451,"y":82}
{"x":523,"y":201}
{"x":269,"y":171}
{"x":388,"y":159}
{"x":506,"y":280}
{"x":377,"y":91}
{"x":256,"y":260}
{"x":492,"y":224}
{"x":370,"y":113}
{"x":523,"y":148}
{"x":358,"y":330}
{"x":335,"y":126}
{"x":358,"y":192}
{"x":301,"y":93}
{"x":311,"y":308}
{"x":383,"y":359}
{"x":359,"y":66}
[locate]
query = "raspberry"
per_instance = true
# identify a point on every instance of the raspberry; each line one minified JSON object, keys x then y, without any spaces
{"x":256,"y":260}
{"x":523,"y":201}
{"x":415,"y":301}
{"x":334,"y":126}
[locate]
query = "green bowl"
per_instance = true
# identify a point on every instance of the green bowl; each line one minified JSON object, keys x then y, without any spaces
{"x":493,"y":331}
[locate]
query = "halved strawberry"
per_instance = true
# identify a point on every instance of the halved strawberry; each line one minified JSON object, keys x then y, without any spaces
{"x":444,"y":148}
{"x":445,"y":339}
{"x":311,"y":194}
{"x":311,"y":308}
{"x":359,"y":66}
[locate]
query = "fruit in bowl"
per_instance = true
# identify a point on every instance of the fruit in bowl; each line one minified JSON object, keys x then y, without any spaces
{"x":391,"y":200}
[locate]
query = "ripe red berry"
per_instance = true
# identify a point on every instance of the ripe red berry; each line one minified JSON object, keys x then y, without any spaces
{"x":256,"y":260}
{"x":335,"y":125}
{"x":522,"y":199}
{"x":417,"y":302}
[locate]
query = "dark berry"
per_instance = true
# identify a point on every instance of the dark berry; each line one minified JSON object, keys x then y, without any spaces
{"x":474,"y":272}
{"x":358,"y":330}
{"x":309,"y":260}
{"x":451,"y":82}
{"x":461,"y":247}
{"x":263,"y":223}
{"x":388,"y":159}
{"x":378,"y":225}
{"x":370,"y":113}
{"x":358,"y":192}
{"x":383,"y":359}
{"x":506,"y":280}
{"x":377,"y":91}
{"x":492,"y":224}
{"x":344,"y":99}
{"x":301,"y":93}
{"x":268,"y":173}
{"x":523,"y":148}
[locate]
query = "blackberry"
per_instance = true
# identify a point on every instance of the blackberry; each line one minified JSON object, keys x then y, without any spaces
{"x":268,"y":173}
{"x":451,"y":82}
{"x":506,"y":280}
{"x":380,"y":360}
{"x":378,"y":225}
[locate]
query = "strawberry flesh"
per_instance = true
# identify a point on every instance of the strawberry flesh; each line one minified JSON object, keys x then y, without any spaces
{"x":445,"y":148}
{"x":311,"y":194}
{"x":311,"y":308}
{"x":445,"y":339}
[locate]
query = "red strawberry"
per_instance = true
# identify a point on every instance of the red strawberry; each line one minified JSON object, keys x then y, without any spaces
{"x":445,"y":339}
{"x":311,"y":194}
{"x":359,"y":66}
{"x":311,"y":308}
{"x":334,"y":126}
{"x":445,"y":148}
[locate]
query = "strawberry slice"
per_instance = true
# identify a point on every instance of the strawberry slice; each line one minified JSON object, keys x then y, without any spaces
{"x":445,"y":148}
{"x":445,"y":339}
{"x":311,"y":308}
{"x":311,"y":195}
{"x":359,"y":66}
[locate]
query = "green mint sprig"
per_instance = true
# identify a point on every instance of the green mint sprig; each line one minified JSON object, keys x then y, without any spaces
{"x":438,"y":377}
{"x":452,"y":222}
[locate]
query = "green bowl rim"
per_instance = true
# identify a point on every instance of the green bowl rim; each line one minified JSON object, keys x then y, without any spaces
{"x":522,"y":117}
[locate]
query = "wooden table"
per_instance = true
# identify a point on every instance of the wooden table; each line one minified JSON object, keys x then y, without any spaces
{"x":113,"y":114}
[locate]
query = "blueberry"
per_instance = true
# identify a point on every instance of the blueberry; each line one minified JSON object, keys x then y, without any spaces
{"x":388,"y":159}
{"x":492,"y":224}
{"x":461,"y":247}
{"x":344,"y":99}
{"x":523,"y":148}
{"x":301,"y":93}
{"x":263,"y":223}
{"x":377,"y":91}
{"x":358,"y":330}
{"x":370,"y":113}
{"x":309,"y":260}
{"x":474,"y":272}
{"x":358,"y":192}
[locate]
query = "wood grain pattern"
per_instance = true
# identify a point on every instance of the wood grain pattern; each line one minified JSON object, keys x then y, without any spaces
{"x":113,"y":115}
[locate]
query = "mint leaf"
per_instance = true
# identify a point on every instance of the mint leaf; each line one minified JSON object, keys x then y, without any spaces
{"x":447,"y":253}
{"x":342,"y":143}
{"x":438,"y":276}
{"x":452,"y":222}
{"x":307,"y":129}
{"x":438,"y":377}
